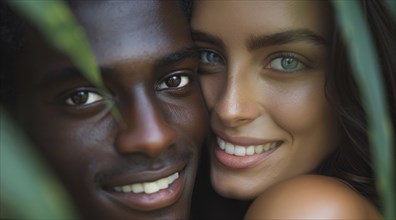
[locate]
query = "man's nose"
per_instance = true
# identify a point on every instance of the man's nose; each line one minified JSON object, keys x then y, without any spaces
{"x":145,"y":129}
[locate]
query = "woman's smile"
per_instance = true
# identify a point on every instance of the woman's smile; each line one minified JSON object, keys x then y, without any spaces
{"x":242,"y":152}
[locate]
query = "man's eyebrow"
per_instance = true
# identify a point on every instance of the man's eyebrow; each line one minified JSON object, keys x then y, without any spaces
{"x":56,"y":77}
{"x":190,"y":52}
{"x":290,"y":36}
{"x":52,"y":78}
{"x":209,"y":38}
{"x":72,"y":73}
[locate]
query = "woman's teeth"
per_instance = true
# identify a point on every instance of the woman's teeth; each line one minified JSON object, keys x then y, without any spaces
{"x":245,"y":150}
{"x":148,"y":187}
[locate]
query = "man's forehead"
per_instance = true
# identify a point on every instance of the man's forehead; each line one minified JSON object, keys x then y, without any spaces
{"x":90,"y":12}
{"x":122,"y":30}
{"x":118,"y":38}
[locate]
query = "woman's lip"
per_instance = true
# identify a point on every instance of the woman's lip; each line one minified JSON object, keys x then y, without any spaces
{"x":148,"y":202}
{"x":238,"y":162}
{"x":242,"y":141}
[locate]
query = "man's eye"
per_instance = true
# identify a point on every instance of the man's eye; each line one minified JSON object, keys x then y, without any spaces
{"x":174,"y":81}
{"x":286,"y":63}
{"x":83,"y":97}
{"x":210,"y":57}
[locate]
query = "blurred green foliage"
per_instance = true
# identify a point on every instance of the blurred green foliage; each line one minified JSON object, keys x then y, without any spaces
{"x":57,"y":23}
{"x":391,"y":4}
{"x":28,"y":190}
{"x":367,"y":72}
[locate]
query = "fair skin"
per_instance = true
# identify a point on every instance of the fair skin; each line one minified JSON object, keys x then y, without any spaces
{"x":317,"y":197}
{"x":263,"y":67}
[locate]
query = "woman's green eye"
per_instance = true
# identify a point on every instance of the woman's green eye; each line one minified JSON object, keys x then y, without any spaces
{"x":211,"y":58}
{"x":83,"y":97}
{"x":286,"y":64}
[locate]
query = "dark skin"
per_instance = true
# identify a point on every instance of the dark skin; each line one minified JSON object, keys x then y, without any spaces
{"x":144,"y":51}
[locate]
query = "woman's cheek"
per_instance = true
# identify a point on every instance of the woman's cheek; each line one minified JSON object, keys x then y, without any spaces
{"x":211,"y":85}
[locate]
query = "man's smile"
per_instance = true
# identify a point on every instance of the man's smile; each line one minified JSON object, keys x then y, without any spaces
{"x":148,"y":187}
{"x":150,"y":195}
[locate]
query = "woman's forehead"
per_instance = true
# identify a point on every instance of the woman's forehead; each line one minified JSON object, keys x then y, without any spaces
{"x":261,"y":17}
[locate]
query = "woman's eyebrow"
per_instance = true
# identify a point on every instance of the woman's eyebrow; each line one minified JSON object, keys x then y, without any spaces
{"x":290,"y":36}
{"x":174,"y":57}
{"x":206,"y":37}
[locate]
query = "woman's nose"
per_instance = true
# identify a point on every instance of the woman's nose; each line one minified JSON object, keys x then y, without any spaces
{"x":237,"y":105}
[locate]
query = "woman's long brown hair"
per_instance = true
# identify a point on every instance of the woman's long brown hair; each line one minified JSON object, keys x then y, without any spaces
{"x":352,"y":161}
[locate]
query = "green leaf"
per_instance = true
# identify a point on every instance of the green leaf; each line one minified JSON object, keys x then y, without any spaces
{"x":58,"y":25}
{"x":56,"y":22}
{"x":367,"y":73}
{"x":391,"y":5}
{"x":28,"y":189}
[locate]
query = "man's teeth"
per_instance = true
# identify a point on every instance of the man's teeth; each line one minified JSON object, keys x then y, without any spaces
{"x":148,"y":187}
{"x":245,"y":150}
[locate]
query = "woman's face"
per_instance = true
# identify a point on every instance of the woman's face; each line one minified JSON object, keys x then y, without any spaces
{"x":263,"y":67}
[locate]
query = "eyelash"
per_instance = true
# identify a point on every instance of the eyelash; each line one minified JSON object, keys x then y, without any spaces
{"x":300,"y":65}
{"x":211,"y":61}
{"x":211,"y":52}
{"x":91,"y":97}
{"x":185,"y":79}
{"x":286,"y":55}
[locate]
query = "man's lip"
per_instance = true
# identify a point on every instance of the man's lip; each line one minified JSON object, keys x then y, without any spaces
{"x":133,"y":177}
{"x":148,"y":202}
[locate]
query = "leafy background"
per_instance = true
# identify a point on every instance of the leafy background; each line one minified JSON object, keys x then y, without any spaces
{"x":28,"y":190}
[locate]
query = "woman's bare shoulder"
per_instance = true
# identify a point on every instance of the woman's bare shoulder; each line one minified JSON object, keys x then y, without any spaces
{"x":311,"y":197}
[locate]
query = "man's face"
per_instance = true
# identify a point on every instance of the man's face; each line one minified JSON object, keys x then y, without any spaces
{"x":144,"y":167}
